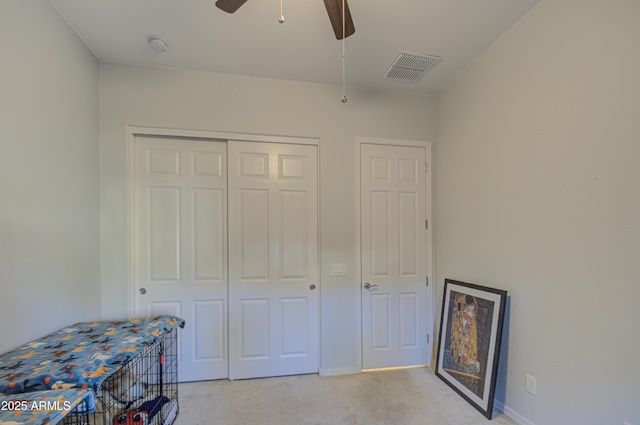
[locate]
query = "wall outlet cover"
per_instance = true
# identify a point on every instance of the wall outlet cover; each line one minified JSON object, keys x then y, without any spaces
{"x":530,"y":384}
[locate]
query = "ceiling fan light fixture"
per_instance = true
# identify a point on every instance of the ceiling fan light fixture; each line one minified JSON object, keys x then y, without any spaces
{"x":411,"y":67}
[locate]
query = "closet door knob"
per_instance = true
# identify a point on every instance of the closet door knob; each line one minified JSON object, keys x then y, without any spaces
{"x":312,"y":286}
{"x":143,"y":291}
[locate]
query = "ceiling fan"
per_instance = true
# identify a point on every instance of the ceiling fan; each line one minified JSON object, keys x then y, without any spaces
{"x":334,"y":9}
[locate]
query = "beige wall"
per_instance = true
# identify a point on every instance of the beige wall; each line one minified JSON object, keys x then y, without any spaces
{"x":537,"y":147}
{"x":49,"y":214}
{"x":538,"y":192}
{"x":144,"y":96}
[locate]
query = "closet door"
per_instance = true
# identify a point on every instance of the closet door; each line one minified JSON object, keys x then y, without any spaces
{"x":273,"y":260}
{"x":180,"y":245}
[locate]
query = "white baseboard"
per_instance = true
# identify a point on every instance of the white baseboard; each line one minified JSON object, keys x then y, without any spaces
{"x":339,"y":371}
{"x":515,"y":416}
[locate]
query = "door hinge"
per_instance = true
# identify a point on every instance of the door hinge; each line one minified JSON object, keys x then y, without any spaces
{"x":427,"y":338}
{"x":427,"y":279}
{"x":426,"y":167}
{"x":426,"y":224}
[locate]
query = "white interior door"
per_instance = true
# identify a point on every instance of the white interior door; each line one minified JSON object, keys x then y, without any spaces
{"x":273,"y":260}
{"x":394,"y":263}
{"x":180,"y":242}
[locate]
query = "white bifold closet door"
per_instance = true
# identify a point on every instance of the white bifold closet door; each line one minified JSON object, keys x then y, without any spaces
{"x":180,"y":246}
{"x":273,"y":260}
{"x":233,"y":253}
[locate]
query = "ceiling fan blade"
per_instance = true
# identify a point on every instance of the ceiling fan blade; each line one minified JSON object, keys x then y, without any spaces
{"x":230,"y":6}
{"x":334,"y":9}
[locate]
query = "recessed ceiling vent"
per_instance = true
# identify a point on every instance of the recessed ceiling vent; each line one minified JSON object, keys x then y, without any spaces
{"x":410,"y":67}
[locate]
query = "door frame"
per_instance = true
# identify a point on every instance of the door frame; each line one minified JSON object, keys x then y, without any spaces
{"x":430,"y":325}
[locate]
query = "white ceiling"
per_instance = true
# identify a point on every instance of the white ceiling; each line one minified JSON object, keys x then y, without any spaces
{"x":252,"y":42}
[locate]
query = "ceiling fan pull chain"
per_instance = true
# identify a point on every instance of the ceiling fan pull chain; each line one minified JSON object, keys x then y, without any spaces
{"x":281,"y":18}
{"x":344,"y":58}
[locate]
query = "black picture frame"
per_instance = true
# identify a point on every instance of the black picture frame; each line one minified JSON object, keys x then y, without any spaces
{"x":469,"y":341}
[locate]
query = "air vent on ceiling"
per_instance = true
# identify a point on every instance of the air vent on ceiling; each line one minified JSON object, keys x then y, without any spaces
{"x":411,"y":67}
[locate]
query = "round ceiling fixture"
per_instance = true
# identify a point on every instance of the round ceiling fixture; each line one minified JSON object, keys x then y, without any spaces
{"x":158,"y":44}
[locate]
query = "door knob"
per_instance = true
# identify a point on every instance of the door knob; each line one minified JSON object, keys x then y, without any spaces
{"x":367,"y":285}
{"x":312,"y":286}
{"x":143,"y":291}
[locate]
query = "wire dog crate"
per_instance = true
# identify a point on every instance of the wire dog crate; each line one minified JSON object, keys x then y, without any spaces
{"x":79,"y":415}
{"x":144,"y":391}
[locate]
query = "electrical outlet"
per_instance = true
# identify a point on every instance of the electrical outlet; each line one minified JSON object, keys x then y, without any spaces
{"x":530,"y":384}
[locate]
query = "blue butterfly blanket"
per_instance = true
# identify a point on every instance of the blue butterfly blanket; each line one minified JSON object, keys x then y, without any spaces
{"x":79,"y":356}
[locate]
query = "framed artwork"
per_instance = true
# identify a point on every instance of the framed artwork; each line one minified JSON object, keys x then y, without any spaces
{"x":469,"y":341}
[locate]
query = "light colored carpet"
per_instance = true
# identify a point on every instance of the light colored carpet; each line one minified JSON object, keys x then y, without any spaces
{"x":398,"y":397}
